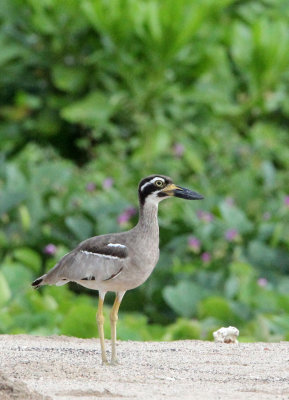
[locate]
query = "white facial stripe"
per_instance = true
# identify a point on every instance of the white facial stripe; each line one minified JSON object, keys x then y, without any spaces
{"x":157,"y":178}
{"x":89,"y":253}
{"x":116,"y":245}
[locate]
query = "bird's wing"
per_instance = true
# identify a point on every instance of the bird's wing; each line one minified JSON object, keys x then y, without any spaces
{"x":104,"y":248}
{"x":97,"y":258}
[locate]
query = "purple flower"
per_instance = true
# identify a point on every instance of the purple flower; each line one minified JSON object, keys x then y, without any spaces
{"x":286,"y":201}
{"x":90,"y":187}
{"x":262,"y":282}
{"x":205,"y":216}
{"x":178,"y":150}
{"x":194,"y":244}
{"x":107,"y":183}
{"x":125,"y":216}
{"x":49,"y":249}
{"x":206,"y":257}
{"x":131,"y":211}
{"x":231,"y":234}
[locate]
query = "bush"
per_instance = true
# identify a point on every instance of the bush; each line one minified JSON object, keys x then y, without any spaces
{"x":97,"y":94}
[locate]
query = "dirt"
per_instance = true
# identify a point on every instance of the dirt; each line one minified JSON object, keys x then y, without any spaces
{"x":17,"y":390}
{"x":65,"y":368}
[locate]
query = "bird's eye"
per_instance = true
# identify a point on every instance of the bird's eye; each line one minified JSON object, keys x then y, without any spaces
{"x":159,"y":183}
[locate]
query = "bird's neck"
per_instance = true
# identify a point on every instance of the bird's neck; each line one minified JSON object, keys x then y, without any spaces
{"x":148,"y":219}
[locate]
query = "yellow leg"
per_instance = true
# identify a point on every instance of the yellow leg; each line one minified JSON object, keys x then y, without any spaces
{"x":100,"y":322}
{"x":113,"y":322}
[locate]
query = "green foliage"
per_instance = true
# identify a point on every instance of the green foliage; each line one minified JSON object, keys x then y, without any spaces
{"x":183,"y":329}
{"x":95,"y":95}
{"x":183,"y":298}
{"x":4,"y":290}
{"x":216,"y":307}
{"x":80,"y":321}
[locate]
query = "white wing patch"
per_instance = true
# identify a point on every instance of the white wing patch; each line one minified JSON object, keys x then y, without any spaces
{"x":62,"y":282}
{"x":156,"y":178}
{"x":116,"y":245}
{"x":89,"y":253}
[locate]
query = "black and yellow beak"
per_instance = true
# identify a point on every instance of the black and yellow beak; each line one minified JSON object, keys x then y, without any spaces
{"x":183,"y":193}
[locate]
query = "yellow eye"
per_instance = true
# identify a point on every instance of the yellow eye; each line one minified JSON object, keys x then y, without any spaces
{"x":159,"y":183}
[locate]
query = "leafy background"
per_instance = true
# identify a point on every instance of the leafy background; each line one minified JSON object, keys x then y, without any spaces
{"x":97,"y":94}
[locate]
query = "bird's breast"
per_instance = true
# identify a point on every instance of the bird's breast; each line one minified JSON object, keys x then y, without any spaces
{"x":143,"y":264}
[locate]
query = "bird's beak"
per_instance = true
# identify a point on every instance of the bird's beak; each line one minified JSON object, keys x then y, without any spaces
{"x":183,"y":193}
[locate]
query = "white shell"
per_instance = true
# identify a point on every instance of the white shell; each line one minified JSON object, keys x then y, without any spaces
{"x":226,"y":335}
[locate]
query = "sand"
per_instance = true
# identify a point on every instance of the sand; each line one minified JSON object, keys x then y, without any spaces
{"x":65,"y":368}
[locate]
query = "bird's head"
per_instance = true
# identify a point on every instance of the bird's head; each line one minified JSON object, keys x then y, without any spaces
{"x":155,"y":188}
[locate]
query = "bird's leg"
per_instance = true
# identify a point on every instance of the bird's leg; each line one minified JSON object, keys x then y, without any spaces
{"x":113,"y":322}
{"x":100,"y":322}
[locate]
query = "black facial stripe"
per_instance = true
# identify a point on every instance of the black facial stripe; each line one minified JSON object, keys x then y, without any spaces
{"x":162,"y":194}
{"x":148,"y":179}
{"x":149,"y":189}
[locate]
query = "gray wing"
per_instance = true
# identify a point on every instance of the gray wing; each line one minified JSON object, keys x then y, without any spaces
{"x":98,"y":259}
{"x":104,"y":247}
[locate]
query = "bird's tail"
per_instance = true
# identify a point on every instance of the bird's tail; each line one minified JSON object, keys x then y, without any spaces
{"x":38,"y":282}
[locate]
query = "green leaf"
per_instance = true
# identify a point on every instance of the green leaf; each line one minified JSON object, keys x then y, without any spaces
{"x":95,"y":109}
{"x":18,"y":277}
{"x":5,"y":293}
{"x":235,"y":218}
{"x":80,"y":226}
{"x":80,"y":321}
{"x":10,"y":199}
{"x":183,"y":329}
{"x":265,"y":257}
{"x":10,"y":51}
{"x":183,"y":298}
{"x":216,"y":307}
{"x":25,"y":217}
{"x":280,"y":324}
{"x":135,"y":327}
{"x":241,"y":283}
{"x":70,"y":79}
{"x":269,"y":174}
{"x":28,"y":257}
{"x":267,"y":301}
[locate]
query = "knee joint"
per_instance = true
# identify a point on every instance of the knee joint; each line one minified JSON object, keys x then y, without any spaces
{"x":113,"y":317}
{"x":99,"y":319}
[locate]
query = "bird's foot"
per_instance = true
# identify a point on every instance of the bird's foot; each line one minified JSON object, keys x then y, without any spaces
{"x":105,"y":362}
{"x":114,"y":361}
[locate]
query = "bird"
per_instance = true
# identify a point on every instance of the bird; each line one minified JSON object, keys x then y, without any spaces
{"x":121,"y":261}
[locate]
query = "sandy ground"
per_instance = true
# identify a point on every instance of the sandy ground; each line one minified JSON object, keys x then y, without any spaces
{"x":63,"y":368}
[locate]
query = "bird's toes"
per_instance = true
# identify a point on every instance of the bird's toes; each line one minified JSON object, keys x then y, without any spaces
{"x":114,"y":362}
